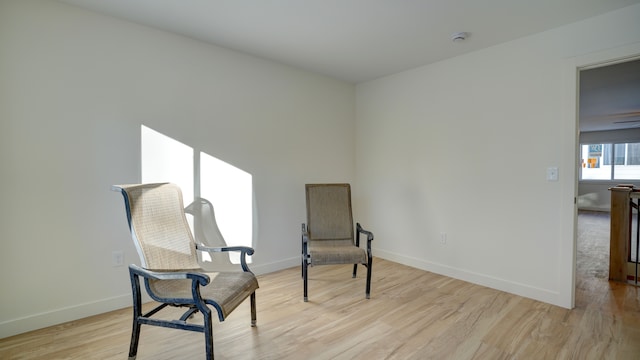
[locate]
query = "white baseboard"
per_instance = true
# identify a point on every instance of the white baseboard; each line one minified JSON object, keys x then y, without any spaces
{"x":62,"y":315}
{"x":595,"y":208}
{"x":520,"y":289}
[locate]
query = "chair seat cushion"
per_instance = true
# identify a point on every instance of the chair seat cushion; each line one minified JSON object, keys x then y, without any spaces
{"x":227,"y":289}
{"x":329,"y":252}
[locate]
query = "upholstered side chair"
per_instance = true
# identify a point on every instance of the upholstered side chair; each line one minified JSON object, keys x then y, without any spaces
{"x":169,"y":266}
{"x":328,"y":235}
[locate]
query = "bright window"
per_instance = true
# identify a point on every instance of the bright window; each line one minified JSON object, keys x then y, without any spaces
{"x":610,"y":161}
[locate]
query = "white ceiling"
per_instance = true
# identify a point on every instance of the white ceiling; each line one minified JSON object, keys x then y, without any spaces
{"x":610,"y":97}
{"x":353,"y":40}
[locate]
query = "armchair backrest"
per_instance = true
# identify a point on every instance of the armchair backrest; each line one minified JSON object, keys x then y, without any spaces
{"x":159,"y":227}
{"x":329,"y":215}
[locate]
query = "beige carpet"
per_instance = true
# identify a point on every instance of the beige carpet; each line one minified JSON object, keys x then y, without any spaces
{"x":592,"y":258}
{"x":593,"y":244}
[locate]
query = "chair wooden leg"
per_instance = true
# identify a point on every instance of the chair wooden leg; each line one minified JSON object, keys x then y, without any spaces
{"x":253,"y":309}
{"x":355,"y":270}
{"x":137,"y":313}
{"x":135,"y":338}
{"x":305,"y":271}
{"x":208,"y":335}
{"x":369,"y":266}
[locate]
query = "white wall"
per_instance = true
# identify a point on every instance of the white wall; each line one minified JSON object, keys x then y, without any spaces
{"x":76,"y":86}
{"x":462,"y":146}
{"x":594,"y":196}
{"x":74,"y":89}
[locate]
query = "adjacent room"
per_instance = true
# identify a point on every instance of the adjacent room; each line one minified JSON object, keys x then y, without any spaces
{"x":471,"y":134}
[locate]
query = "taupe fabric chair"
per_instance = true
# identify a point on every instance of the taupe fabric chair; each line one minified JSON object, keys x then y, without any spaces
{"x":327,"y":238}
{"x":170,"y":268}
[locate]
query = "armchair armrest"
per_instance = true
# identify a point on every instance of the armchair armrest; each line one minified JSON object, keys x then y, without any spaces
{"x":244,"y":251}
{"x":305,"y":243}
{"x":363,"y":231}
{"x":369,"y":234}
{"x":202,"y":279}
{"x":197,"y":280}
{"x":305,"y":234}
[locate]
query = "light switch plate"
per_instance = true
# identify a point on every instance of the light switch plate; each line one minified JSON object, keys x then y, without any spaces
{"x":117,"y":258}
{"x":552,"y":173}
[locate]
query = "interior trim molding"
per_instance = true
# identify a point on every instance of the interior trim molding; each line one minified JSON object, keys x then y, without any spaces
{"x":58,"y":316}
{"x":512,"y":287}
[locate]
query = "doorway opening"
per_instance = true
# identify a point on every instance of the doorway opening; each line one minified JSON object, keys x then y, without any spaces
{"x":609,"y":143}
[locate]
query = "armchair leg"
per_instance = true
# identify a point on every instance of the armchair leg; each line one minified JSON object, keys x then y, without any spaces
{"x":135,"y":338}
{"x":369,"y":266}
{"x":137,"y":313}
{"x":208,"y":335}
{"x":355,"y":270}
{"x":253,"y":309}
{"x":305,"y":272}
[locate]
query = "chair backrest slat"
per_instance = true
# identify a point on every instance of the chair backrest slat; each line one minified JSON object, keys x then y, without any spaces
{"x":329,"y":215}
{"x":159,"y":227}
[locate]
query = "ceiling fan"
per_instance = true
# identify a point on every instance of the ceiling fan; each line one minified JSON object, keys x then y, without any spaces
{"x":620,"y":117}
{"x":631,"y":116}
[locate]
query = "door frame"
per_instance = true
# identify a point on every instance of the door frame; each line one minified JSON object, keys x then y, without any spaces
{"x":573,"y":67}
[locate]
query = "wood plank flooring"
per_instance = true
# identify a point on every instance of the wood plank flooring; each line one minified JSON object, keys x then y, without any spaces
{"x":412,"y":314}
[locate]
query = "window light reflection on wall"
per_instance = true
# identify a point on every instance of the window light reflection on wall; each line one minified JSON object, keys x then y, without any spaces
{"x":226,"y":187}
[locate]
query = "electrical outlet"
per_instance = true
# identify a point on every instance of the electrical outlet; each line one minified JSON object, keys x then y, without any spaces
{"x":443,"y":238}
{"x":117,"y":258}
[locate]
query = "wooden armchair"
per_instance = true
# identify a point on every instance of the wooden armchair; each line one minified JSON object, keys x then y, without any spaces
{"x":328,"y":237}
{"x":169,"y":266}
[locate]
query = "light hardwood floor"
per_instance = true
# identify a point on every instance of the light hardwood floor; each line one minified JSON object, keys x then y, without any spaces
{"x":412,"y":314}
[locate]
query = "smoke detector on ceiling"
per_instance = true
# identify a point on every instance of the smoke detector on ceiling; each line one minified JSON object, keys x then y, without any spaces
{"x":459,"y":37}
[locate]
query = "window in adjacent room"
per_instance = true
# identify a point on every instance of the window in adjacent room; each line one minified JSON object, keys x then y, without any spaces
{"x":610,"y":161}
